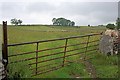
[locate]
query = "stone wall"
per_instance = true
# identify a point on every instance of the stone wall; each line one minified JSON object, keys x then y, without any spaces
{"x":1,"y":52}
{"x":109,"y":44}
{"x":1,"y":38}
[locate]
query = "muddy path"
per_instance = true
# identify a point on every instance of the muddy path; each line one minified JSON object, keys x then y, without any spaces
{"x":90,"y":69}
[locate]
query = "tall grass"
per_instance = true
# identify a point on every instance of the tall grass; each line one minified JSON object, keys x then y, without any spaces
{"x":34,"y":33}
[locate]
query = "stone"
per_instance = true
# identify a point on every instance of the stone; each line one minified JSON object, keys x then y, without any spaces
{"x":106,"y":44}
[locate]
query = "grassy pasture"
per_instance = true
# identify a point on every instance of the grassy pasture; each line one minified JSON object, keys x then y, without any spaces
{"x":18,"y":34}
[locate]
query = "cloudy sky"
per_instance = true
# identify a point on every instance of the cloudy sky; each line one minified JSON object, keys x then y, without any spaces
{"x":82,"y":12}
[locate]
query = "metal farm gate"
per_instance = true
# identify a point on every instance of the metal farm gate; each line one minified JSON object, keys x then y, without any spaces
{"x":38,"y":61}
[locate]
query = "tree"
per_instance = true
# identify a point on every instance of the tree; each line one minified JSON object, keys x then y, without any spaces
{"x":72,"y":23}
{"x":19,"y":21}
{"x":54,"y":21}
{"x":15,"y":21}
{"x":68,"y":22}
{"x":88,"y":25}
{"x":101,"y":25}
{"x":118,"y":23}
{"x":62,"y":22}
{"x":110,"y":26}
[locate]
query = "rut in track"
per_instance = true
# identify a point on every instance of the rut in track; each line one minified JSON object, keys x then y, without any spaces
{"x":90,"y":69}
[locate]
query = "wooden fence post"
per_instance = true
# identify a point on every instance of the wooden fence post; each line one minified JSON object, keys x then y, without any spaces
{"x":5,"y":48}
{"x":86,"y":47}
{"x":65,"y":51}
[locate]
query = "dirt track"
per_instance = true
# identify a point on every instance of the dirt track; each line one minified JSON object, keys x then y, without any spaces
{"x":90,"y":69}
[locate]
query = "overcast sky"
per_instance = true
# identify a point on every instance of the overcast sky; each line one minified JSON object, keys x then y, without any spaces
{"x":82,"y":12}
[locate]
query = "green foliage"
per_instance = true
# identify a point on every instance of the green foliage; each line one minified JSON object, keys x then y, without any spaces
{"x":110,"y":26}
{"x":106,"y":67}
{"x":118,"y":23}
{"x":15,"y":21}
{"x":18,"y":70}
{"x":19,"y":21}
{"x":62,"y":22}
{"x":101,"y":26}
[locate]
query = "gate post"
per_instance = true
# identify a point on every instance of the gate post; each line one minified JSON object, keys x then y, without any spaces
{"x":4,"y":48}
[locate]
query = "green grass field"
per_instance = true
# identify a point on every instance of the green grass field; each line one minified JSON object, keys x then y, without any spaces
{"x":106,"y":67}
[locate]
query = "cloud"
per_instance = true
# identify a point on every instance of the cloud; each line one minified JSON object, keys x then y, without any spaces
{"x":12,"y":10}
{"x":59,"y":1}
{"x":41,"y":7}
{"x":119,"y":9}
{"x":83,"y":13}
{"x":101,"y":12}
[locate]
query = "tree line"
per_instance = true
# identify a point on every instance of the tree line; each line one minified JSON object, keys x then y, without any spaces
{"x":63,"y":22}
{"x":66,"y":22}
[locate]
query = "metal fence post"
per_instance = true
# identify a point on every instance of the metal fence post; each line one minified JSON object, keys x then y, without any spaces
{"x":86,"y":47}
{"x":65,"y":51}
{"x":37,"y":56}
{"x":5,"y":48}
